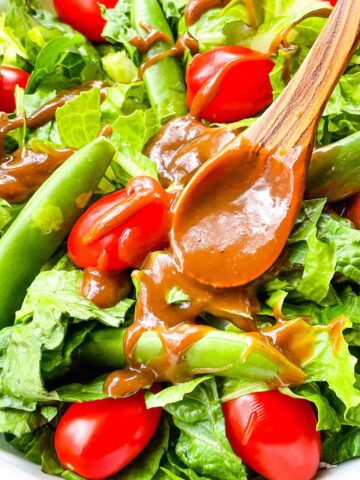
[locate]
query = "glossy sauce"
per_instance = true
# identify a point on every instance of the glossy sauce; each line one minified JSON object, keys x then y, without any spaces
{"x":24,"y":171}
{"x":210,"y":89}
{"x":196,"y":8}
{"x":105,"y":290}
{"x":183,"y":145}
{"x":176,"y":325}
{"x":238,"y":213}
{"x":184,"y":42}
{"x":153,"y":36}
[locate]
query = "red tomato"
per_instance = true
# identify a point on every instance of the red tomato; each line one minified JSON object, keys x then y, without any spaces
{"x":332,"y":2}
{"x":121,"y":229}
{"x":244,"y":90}
{"x":352,"y":211}
{"x":97,"y":439}
{"x":84,"y":16}
{"x":9,"y":78}
{"x":274,"y":434}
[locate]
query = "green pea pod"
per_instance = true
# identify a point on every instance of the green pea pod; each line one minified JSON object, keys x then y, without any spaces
{"x":164,"y":80}
{"x":227,"y":354}
{"x":334,"y":170}
{"x":46,"y":220}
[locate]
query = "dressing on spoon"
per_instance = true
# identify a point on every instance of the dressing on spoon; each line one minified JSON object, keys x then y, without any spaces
{"x":234,"y":217}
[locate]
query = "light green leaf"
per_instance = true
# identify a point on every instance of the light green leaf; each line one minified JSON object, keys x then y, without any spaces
{"x":52,"y":305}
{"x":319,"y":269}
{"x":172,"y":394}
{"x":130,"y":134}
{"x":328,"y":418}
{"x":77,"y":392}
{"x":19,"y":422}
{"x":79,"y":120}
{"x":119,"y":67}
{"x":177,"y":296}
{"x":5,"y":215}
{"x":118,"y":26}
{"x":60,"y":290}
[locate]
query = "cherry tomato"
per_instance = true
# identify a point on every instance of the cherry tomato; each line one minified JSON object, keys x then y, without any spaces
{"x":84,"y":16}
{"x":9,"y":78}
{"x":121,"y":229}
{"x":352,"y":211}
{"x":97,"y":439}
{"x":332,"y":2}
{"x":245,"y":87}
{"x":274,"y":434}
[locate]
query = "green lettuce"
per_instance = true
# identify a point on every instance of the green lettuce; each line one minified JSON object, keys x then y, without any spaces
{"x":202,"y":445}
{"x":79,"y":120}
{"x":230,"y":25}
{"x":118,"y":27}
{"x":60,"y":56}
{"x":38,"y":339}
{"x":341,"y":446}
{"x":130,"y":135}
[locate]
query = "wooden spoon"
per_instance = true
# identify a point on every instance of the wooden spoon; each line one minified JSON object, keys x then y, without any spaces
{"x":234,"y":217}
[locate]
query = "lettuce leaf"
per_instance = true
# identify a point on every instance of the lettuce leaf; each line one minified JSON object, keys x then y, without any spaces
{"x":230,"y":25}
{"x":5,"y":215}
{"x":11,"y":50}
{"x":341,"y":446}
{"x":320,"y":246}
{"x":20,"y":422}
{"x":52,"y":305}
{"x":172,"y":394}
{"x":79,"y":120}
{"x":328,"y":418}
{"x":119,"y":67}
{"x":118,"y":27}
{"x":202,"y":444}
{"x":61,"y":57}
{"x":173,"y":8}
{"x":130,"y":135}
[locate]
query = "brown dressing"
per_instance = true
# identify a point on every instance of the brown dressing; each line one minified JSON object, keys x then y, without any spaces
{"x":47,"y":112}
{"x":153,"y":36}
{"x":196,"y":8}
{"x":105,"y":290}
{"x":239,"y":215}
{"x":182,"y":146}
{"x":25,"y":170}
{"x":176,"y":325}
{"x":184,"y":42}
{"x":209,"y":89}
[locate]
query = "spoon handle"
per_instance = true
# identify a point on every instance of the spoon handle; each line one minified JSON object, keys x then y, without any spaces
{"x":293,"y":117}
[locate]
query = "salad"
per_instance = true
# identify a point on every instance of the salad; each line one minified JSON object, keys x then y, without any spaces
{"x":116,"y":362}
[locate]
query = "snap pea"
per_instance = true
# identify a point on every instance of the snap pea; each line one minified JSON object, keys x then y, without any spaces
{"x":227,"y":354}
{"x":164,"y":80}
{"x":46,"y":220}
{"x":334,"y":170}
